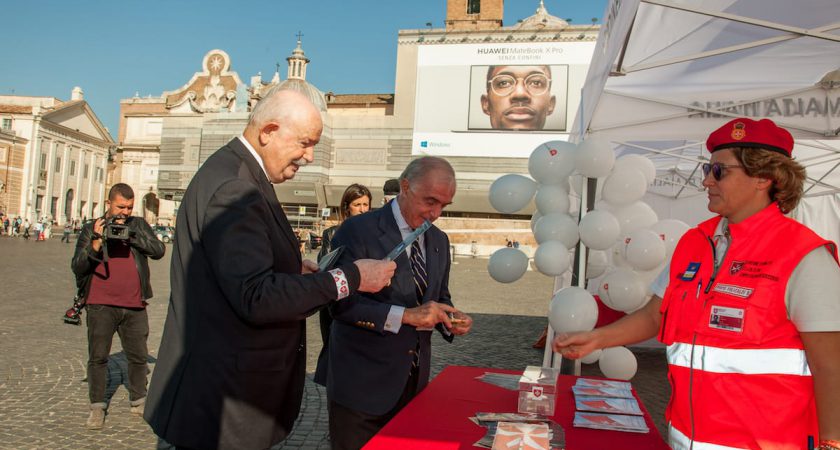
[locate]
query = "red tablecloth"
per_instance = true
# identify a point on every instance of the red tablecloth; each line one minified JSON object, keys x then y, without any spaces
{"x":438,"y":417}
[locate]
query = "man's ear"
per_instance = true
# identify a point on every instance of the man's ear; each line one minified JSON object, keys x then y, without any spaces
{"x":551,"y":104}
{"x":485,"y":104}
{"x":266,"y":131}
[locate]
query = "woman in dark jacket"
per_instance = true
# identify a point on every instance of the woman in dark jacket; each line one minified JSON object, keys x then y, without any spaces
{"x":354,"y":201}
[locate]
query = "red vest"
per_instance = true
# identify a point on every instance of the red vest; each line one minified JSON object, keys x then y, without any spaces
{"x":737,"y":365}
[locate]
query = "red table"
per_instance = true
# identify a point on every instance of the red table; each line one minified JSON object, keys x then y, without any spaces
{"x":438,"y":417}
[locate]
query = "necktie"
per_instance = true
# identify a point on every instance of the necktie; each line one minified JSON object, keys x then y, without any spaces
{"x":418,"y":268}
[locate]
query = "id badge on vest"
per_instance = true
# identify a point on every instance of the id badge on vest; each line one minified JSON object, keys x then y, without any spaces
{"x":727,"y":318}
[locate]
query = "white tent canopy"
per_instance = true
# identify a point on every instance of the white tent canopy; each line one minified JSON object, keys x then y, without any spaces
{"x":667,"y":72}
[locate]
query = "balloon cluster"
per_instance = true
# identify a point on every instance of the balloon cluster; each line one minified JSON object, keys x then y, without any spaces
{"x":628,"y":245}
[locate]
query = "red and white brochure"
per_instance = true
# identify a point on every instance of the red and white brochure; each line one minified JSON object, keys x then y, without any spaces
{"x":608,"y":405}
{"x":615,"y":422}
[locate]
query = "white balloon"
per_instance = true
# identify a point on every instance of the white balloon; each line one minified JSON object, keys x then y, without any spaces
{"x":596,"y":264}
{"x":622,"y":290}
{"x":556,"y":227}
{"x":572,"y":309}
{"x":624,"y":185}
{"x":595,"y":157}
{"x":507,"y":265}
{"x":618,"y":363}
{"x":599,"y":229}
{"x":552,"y":198}
{"x":616,"y":253}
{"x":551,"y":258}
{"x":592,"y":358}
{"x":511,"y":192}
{"x":577,"y":180}
{"x":534,"y":218}
{"x":645,"y":250}
{"x":644,"y":165}
{"x":633,"y":216}
{"x":552,"y":162}
{"x":670,"y":230}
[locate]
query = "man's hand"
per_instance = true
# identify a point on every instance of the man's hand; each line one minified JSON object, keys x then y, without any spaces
{"x":575,"y":345}
{"x":461,"y":323}
{"x":375,"y":274}
{"x":428,"y":315}
{"x":96,"y":238}
{"x":309,"y":266}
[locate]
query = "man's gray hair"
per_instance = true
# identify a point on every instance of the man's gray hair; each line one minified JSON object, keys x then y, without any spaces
{"x":275,"y":106}
{"x":420,"y":167}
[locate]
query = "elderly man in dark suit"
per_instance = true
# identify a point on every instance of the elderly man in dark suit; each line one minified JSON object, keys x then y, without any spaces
{"x":230,"y":370}
{"x":380,"y":344}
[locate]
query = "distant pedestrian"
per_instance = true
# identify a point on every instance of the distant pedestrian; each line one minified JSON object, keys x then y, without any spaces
{"x":39,"y":227}
{"x":65,"y":236}
{"x":26,"y":227}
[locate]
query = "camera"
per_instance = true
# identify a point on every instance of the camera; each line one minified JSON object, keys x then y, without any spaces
{"x":73,"y":316}
{"x":114,"y":230}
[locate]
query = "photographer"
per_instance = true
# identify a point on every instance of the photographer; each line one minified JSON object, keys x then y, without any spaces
{"x":112,"y":274}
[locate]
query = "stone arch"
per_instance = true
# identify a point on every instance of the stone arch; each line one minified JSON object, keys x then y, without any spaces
{"x":68,"y":205}
{"x":151,"y":207}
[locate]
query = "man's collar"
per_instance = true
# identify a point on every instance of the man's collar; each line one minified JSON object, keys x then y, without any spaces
{"x":401,"y":223}
{"x":254,"y":154}
{"x":722,"y":228}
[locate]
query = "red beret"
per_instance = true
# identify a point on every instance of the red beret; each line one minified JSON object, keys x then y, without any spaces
{"x":743,"y":132}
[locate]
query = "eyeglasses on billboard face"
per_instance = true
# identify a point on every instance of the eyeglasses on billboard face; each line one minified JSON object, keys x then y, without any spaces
{"x":504,"y":85}
{"x":718,"y":169}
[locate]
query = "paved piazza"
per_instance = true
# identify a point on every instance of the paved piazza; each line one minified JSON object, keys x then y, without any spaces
{"x":43,"y":393}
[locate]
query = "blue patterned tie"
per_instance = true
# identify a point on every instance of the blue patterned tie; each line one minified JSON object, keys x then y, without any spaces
{"x":418,"y":268}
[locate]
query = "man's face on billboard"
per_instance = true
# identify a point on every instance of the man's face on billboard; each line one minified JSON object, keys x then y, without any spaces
{"x":518,"y":97}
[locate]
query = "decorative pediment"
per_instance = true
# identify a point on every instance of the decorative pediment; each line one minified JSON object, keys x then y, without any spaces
{"x":77,"y":116}
{"x":211,"y":90}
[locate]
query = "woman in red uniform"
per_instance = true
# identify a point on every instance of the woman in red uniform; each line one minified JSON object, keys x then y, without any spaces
{"x":749,"y":308}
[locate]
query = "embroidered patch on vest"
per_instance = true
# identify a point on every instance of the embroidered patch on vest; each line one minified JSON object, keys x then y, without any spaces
{"x":730,"y":319}
{"x":690,"y":271}
{"x":731,"y":289}
{"x":735,"y":267}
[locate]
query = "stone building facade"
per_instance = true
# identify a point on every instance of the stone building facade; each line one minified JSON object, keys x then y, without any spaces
{"x":65,"y":157}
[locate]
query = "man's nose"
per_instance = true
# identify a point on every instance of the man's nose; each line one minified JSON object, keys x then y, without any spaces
{"x":519,"y":90}
{"x":309,"y":154}
{"x":708,"y":179}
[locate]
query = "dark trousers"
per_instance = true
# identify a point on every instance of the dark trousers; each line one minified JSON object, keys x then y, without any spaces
{"x":351,"y":429}
{"x":132,"y":325}
{"x":65,"y":237}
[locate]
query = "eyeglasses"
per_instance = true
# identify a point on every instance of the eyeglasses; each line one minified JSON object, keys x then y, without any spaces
{"x":504,"y":85}
{"x":717,"y":169}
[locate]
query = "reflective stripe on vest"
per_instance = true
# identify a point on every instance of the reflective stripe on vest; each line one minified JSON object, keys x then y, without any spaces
{"x":782,"y":361}
{"x":679,"y":441}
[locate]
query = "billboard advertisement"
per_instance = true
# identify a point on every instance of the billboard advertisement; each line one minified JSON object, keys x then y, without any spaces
{"x":499,"y":100}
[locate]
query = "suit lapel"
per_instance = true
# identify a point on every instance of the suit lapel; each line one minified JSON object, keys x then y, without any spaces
{"x":389,"y":238}
{"x":267,"y":190}
{"x":432,"y":264}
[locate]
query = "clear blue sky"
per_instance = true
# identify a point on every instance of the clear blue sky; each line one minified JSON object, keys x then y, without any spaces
{"x":113,"y":49}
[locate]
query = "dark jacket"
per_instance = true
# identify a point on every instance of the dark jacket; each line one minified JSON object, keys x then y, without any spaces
{"x":143,"y":244}
{"x":232,"y":361}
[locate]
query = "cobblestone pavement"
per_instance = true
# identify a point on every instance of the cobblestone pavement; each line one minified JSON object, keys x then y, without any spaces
{"x":43,"y":393}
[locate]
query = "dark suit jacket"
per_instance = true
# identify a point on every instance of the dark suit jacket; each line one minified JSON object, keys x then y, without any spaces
{"x":230,"y":370}
{"x":368,"y":367}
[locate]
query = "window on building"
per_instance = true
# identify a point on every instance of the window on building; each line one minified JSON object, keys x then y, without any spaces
{"x":57,"y":164}
{"x":43,"y":161}
{"x":39,"y":200}
{"x":473,"y":6}
{"x":72,"y":168}
{"x":53,"y":207}
{"x":87,"y":170}
{"x":7,"y":123}
{"x":98,"y":174}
